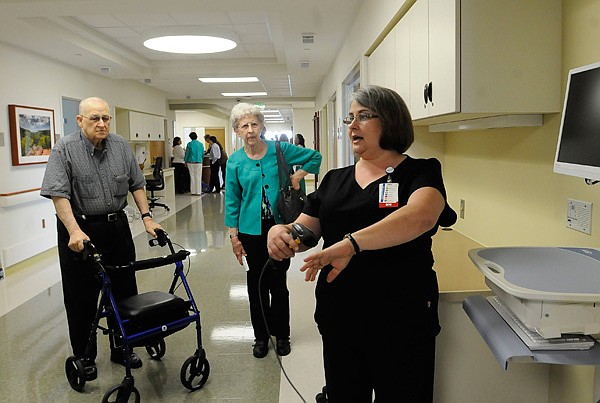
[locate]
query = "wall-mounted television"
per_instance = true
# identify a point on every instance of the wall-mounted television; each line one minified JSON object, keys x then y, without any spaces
{"x":578,"y":148}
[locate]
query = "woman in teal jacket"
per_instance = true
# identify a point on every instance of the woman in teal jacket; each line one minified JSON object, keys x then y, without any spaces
{"x":251,"y":194}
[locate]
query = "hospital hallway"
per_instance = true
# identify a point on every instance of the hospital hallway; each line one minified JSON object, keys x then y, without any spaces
{"x":34,"y":342}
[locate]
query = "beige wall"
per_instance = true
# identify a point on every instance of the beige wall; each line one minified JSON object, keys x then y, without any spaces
{"x":512,"y":195}
{"x":505,"y":176}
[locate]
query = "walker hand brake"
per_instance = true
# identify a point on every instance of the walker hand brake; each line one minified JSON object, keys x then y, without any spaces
{"x":161,"y":238}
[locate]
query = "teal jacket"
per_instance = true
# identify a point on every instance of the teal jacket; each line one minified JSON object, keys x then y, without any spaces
{"x":246,"y":179}
{"x":194,"y":152}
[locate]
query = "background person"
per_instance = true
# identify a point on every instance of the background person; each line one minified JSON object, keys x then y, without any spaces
{"x":194,"y":154}
{"x":215,"y":166}
{"x":182,"y":174}
{"x":377,"y":293}
{"x":251,"y":194}
{"x":87,"y":177}
{"x":299,"y":140}
{"x":222,"y":160}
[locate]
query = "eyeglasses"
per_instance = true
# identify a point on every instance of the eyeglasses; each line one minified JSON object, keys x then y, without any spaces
{"x":254,"y":126}
{"x":361,"y":117}
{"x":96,"y":118}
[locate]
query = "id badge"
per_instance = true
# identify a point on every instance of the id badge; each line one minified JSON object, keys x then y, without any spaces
{"x":388,"y":195}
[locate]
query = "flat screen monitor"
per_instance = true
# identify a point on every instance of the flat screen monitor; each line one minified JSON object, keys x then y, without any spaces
{"x":578,"y":148}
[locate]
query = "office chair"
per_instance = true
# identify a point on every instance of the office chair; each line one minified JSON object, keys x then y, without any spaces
{"x":156,"y":183}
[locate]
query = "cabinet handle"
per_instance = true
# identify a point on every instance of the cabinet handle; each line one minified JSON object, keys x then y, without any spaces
{"x":425,"y":92}
{"x":430,"y":92}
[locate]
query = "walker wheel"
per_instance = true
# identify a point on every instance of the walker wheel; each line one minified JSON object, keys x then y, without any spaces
{"x":157,"y":349}
{"x":196,"y":366}
{"x":322,"y":397}
{"x":75,"y":373}
{"x":122,"y":394}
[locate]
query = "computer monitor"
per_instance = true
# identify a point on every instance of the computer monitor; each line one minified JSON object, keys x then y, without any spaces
{"x":578,"y":148}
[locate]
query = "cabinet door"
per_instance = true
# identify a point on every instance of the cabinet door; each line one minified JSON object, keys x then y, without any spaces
{"x":148,"y":127}
{"x":418,"y":20}
{"x":382,"y":63}
{"x":136,"y":130}
{"x":444,"y":56}
{"x":434,"y":49}
{"x":159,"y":128}
{"x":402,"y":52}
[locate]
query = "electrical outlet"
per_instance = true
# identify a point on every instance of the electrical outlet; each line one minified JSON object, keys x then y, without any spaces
{"x":461,"y":211}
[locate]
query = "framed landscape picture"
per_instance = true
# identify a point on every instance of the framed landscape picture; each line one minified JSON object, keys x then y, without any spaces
{"x":32,"y":134}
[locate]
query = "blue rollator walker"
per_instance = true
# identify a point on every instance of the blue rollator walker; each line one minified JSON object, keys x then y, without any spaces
{"x":143,"y":320}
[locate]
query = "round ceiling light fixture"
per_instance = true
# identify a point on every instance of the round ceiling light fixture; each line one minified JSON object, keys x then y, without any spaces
{"x":189,"y":40}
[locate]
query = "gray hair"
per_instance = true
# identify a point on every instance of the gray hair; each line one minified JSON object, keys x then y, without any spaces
{"x":244,"y":109}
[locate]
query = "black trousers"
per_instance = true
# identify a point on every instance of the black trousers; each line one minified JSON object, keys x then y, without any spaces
{"x":215,"y":182}
{"x":398,"y":366}
{"x":273,"y":292}
{"x":182,"y":178}
{"x":81,"y":286}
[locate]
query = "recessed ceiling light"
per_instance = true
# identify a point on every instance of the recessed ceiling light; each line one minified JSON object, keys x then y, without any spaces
{"x":189,"y":40}
{"x":190,"y":44}
{"x":243,"y":94}
{"x":228,"y":79}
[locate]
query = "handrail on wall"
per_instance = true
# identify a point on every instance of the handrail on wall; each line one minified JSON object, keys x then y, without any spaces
{"x":19,"y":197}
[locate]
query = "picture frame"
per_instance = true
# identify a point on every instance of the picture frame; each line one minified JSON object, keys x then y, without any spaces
{"x":32,"y":134}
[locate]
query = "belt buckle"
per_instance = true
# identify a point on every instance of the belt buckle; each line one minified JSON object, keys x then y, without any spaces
{"x":112,"y":217}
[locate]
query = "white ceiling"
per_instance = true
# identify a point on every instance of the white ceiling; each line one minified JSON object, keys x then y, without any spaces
{"x":105,"y":37}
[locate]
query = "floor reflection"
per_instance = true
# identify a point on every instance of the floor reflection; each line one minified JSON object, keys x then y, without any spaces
{"x":34,"y":341}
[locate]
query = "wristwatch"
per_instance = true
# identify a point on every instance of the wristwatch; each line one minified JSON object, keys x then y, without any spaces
{"x":148,"y":214}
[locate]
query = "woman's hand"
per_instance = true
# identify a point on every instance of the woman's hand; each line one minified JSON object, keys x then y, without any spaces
{"x":297,"y":177}
{"x":337,"y":255}
{"x":280,"y":243}
{"x":238,"y":249}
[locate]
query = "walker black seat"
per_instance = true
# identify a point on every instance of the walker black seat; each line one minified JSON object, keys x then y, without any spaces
{"x":150,"y":303}
{"x":153,"y":309}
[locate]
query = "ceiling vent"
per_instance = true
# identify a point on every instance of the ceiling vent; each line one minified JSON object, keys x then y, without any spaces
{"x":104,"y":69}
{"x":304,"y":65}
{"x":308,"y":38}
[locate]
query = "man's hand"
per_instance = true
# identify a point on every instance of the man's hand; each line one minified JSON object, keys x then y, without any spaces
{"x":76,"y":239}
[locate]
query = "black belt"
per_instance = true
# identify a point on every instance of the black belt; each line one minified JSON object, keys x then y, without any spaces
{"x":102,"y":217}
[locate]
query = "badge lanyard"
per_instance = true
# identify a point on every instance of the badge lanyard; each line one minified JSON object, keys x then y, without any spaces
{"x":388,"y":191}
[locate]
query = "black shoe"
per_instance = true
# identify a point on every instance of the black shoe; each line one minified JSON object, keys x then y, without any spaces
{"x":90,"y":372}
{"x":117,"y":356}
{"x":260,"y":348}
{"x":283,"y":347}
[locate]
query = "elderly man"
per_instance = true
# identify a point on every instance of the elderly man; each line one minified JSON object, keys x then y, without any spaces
{"x":88,"y":176}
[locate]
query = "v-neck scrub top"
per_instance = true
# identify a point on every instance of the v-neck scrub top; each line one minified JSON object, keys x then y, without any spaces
{"x":388,"y":289}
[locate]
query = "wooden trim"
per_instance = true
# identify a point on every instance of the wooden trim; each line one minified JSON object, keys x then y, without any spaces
{"x":20,"y":192}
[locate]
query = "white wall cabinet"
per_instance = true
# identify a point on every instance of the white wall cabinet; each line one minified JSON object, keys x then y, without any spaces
{"x":138,"y":126}
{"x":477,"y":58}
{"x":382,"y":63}
{"x":433,"y":57}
